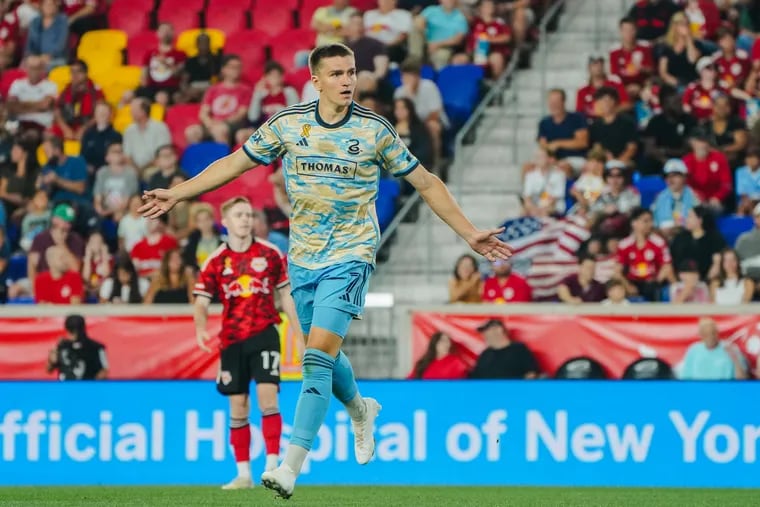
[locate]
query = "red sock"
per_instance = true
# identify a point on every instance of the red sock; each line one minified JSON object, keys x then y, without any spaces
{"x":271,"y":428}
{"x":240,"y":439}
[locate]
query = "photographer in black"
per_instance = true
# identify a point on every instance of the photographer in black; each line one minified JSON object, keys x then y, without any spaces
{"x":77,"y":356}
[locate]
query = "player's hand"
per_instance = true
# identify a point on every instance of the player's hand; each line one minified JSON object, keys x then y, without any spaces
{"x":202,"y":338}
{"x":488,"y":244}
{"x":157,"y":202}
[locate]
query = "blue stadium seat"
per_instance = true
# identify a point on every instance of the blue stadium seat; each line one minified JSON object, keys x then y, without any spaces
{"x":731,"y":227}
{"x":16,"y":267}
{"x":649,"y":187}
{"x":23,"y":300}
{"x":460,"y":90}
{"x":394,"y":76}
{"x":198,"y":156}
{"x":386,"y":201}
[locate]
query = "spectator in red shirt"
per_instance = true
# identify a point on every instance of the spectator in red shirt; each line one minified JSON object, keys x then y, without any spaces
{"x":709,"y":173}
{"x":506,"y":287}
{"x":225,"y":104}
{"x":440,"y":361}
{"x":162,"y":68}
{"x":9,"y":36}
{"x":498,"y":34}
{"x":148,"y":252}
{"x":60,"y":285}
{"x":699,"y":97}
{"x":733,"y":65}
{"x":75,"y":107}
{"x":271,"y":95}
{"x":84,"y":15}
{"x":598,"y":78}
{"x":631,"y":60}
{"x":643,"y":258}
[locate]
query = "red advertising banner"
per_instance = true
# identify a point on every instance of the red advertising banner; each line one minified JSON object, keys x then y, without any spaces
{"x":137,"y":347}
{"x":614,"y":341}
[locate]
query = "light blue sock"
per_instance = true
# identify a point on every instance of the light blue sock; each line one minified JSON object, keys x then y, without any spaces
{"x":314,"y":399}
{"x":345,"y":389}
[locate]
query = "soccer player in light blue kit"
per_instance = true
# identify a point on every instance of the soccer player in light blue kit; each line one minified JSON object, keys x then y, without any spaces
{"x":332,"y":151}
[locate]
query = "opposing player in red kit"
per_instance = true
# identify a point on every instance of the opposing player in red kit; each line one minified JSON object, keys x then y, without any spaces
{"x":245,"y":272}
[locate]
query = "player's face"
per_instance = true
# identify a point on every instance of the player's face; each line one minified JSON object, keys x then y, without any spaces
{"x":239,"y":220}
{"x":335,"y":80}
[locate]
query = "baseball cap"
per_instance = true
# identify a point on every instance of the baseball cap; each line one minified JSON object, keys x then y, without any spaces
{"x":64,"y":212}
{"x":705,"y":61}
{"x":756,"y":211}
{"x":675,"y":165}
{"x":595,"y":57}
{"x":489,"y":324}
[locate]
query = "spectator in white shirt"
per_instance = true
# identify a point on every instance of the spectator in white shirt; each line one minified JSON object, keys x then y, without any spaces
{"x":132,"y":226}
{"x":544,"y":187}
{"x":144,"y":136}
{"x":31,"y":99}
{"x":391,"y":26}
{"x":427,"y":101}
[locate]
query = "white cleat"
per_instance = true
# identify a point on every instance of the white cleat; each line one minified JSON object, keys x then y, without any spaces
{"x":271,"y":462}
{"x":364,"y":432}
{"x":281,"y":480}
{"x":239,"y":483}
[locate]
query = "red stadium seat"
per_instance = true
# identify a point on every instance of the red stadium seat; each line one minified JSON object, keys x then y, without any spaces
{"x":249,"y":46}
{"x":287,"y":44}
{"x":272,"y":19}
{"x":290,"y":4}
{"x":178,"y":118}
{"x":139,"y":45}
{"x":364,"y":5}
{"x":134,"y":5}
{"x":180,"y":19}
{"x":128,"y":20}
{"x":298,"y":78}
{"x":187,"y":5}
{"x":307,"y":11}
{"x":7,"y":79}
{"x":226,"y":18}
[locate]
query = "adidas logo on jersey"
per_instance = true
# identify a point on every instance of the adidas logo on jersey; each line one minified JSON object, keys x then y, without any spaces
{"x":303,"y":142}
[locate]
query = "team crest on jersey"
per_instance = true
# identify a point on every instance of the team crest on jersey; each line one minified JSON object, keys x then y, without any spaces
{"x":227,"y":266}
{"x":259,"y":264}
{"x":353,"y":147}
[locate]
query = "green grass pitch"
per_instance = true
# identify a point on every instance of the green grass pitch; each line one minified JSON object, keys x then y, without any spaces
{"x":374,"y":496}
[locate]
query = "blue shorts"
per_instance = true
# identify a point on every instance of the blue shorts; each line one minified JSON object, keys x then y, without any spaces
{"x":330,"y":297}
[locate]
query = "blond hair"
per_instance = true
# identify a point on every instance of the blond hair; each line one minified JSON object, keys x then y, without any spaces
{"x":226,"y":205}
{"x":670,"y":37}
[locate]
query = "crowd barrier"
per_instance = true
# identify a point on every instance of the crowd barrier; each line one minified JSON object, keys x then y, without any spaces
{"x":579,"y":433}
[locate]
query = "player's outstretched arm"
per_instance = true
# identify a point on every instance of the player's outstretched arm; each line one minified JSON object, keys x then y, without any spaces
{"x":224,"y":170}
{"x":440,"y":200}
{"x":200,"y":317}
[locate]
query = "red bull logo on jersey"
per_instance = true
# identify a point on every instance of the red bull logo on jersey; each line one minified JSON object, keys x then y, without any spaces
{"x":326,"y":167}
{"x":246,"y":286}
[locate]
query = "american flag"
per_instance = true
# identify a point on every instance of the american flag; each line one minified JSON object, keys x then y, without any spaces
{"x":545,"y":250}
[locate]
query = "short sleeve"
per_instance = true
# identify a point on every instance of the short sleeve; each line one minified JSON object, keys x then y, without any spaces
{"x":393,"y":153}
{"x":208,"y":282}
{"x":461,"y":25}
{"x":264,"y":146}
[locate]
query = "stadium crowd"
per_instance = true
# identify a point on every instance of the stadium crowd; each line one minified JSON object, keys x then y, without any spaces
{"x":655,"y":174}
{"x":101,"y":99}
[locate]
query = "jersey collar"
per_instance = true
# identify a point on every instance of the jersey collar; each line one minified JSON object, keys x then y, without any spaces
{"x":333,"y":125}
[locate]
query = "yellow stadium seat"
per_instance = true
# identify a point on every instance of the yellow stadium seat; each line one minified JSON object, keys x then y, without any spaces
{"x":71,"y":148}
{"x":61,"y":76}
{"x":186,"y":40}
{"x":102,"y":61}
{"x":123,"y":117}
{"x":102,"y":40}
{"x":118,"y":81}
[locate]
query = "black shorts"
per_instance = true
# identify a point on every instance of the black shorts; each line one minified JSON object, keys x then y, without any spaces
{"x":256,"y":358}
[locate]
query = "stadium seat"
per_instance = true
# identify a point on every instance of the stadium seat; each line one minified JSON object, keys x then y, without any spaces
{"x":16,"y":267}
{"x":228,"y":19}
{"x":139,"y":45}
{"x":178,"y":118}
{"x":102,"y":62}
{"x":290,"y":4}
{"x":427,"y":72}
{"x":285,"y":46}
{"x":71,"y":148}
{"x":649,"y":187}
{"x":731,"y":227}
{"x":307,"y":9}
{"x":102,"y":40}
{"x":7,"y":79}
{"x":135,"y":5}
{"x":197,"y":156}
{"x":118,"y":81}
{"x":187,"y":5}
{"x":460,"y":90}
{"x":387,"y":201}
{"x":272,"y":18}
{"x":298,"y":78}
{"x":249,"y":46}
{"x":128,"y":20}
{"x":123,"y":117}
{"x":186,"y":40}
{"x":61,"y":76}
{"x":180,"y":19}
{"x":364,"y":5}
